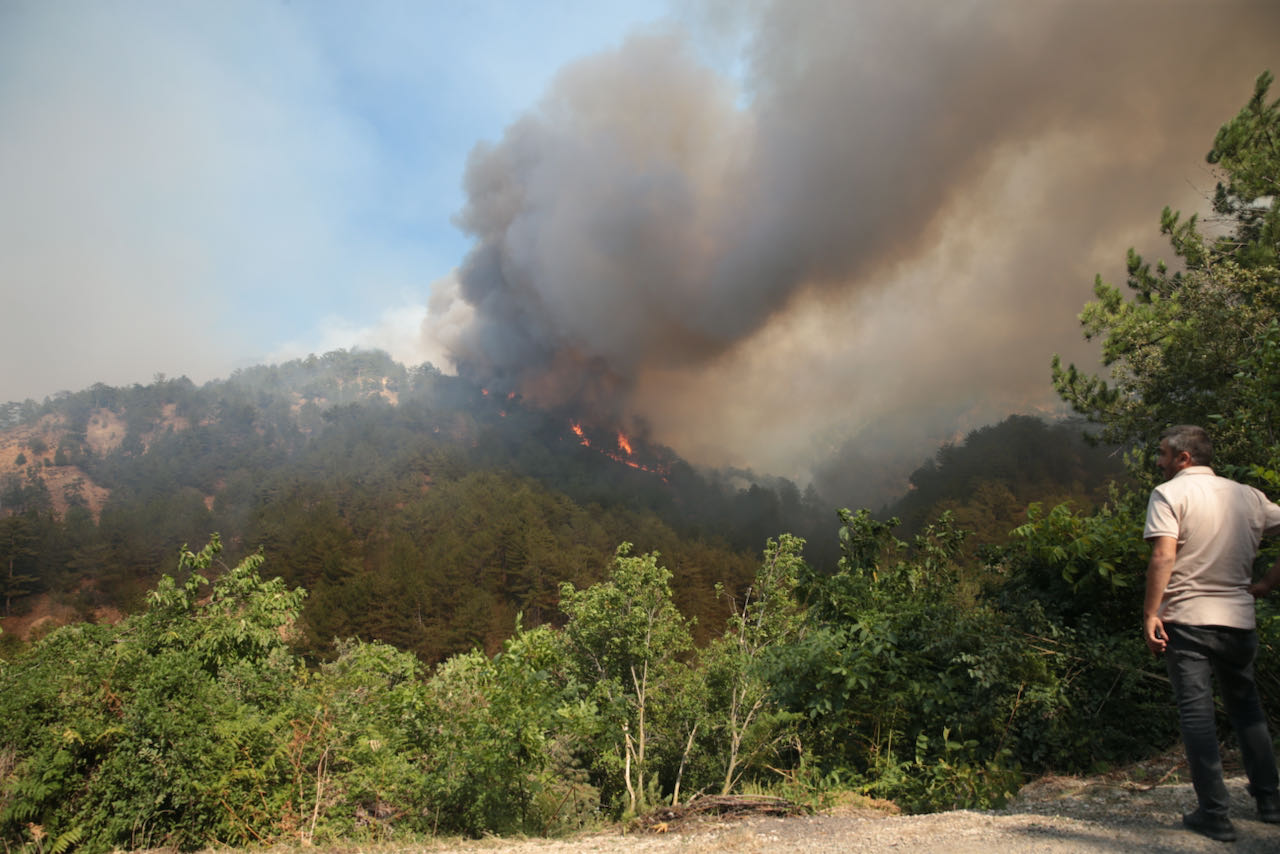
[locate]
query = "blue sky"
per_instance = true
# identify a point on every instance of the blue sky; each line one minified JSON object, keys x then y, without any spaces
{"x":760,"y":230}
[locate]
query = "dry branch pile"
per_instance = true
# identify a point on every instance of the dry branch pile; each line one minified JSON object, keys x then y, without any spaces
{"x":663,"y":819}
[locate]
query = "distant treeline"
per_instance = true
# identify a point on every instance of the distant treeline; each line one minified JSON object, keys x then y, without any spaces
{"x":989,"y":478}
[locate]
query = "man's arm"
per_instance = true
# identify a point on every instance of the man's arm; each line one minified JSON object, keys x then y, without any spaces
{"x":1159,"y":569}
{"x":1267,"y":583}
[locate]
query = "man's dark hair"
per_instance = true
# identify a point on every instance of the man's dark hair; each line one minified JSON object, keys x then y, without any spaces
{"x":1192,"y":439}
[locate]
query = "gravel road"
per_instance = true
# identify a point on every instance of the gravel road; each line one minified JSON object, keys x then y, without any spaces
{"x":1057,"y":816}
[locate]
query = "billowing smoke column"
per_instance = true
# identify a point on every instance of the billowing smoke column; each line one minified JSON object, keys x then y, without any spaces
{"x":650,"y":219}
{"x":601,"y":222}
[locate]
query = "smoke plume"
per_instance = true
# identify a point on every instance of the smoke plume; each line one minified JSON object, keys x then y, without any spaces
{"x":897,"y":217}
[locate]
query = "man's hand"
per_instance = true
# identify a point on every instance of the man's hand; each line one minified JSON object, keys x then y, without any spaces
{"x":1267,"y":583}
{"x":1153,"y":634}
{"x":1164,"y":551}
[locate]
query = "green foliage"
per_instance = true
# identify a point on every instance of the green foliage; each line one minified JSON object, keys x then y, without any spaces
{"x":618,"y":627}
{"x":1246,"y":148}
{"x":766,"y":617}
{"x":623,"y":638}
{"x":744,"y":730}
{"x":1081,"y":566}
{"x":120,"y":730}
{"x":343,"y":757}
{"x":1191,"y":349}
{"x":1024,"y":666}
{"x":897,"y":648}
{"x":17,"y":555}
{"x":242,"y":620}
{"x":1074,"y":585}
{"x":193,"y":723}
{"x":944,"y":774}
{"x":500,"y":742}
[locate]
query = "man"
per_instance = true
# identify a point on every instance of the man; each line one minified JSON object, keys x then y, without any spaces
{"x":1204,"y":532}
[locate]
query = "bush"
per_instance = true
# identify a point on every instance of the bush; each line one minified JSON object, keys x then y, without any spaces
{"x":498,"y":747}
{"x":118,"y":731}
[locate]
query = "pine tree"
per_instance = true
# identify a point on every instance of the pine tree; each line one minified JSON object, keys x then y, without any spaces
{"x":1199,"y":344}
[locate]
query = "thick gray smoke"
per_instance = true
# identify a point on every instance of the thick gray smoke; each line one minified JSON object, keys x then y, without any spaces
{"x":899,"y":217}
{"x":602,"y":219}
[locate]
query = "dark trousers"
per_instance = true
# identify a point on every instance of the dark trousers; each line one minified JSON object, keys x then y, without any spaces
{"x":1193,"y":656}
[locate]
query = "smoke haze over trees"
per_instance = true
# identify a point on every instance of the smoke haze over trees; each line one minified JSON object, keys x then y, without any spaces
{"x":757,"y":231}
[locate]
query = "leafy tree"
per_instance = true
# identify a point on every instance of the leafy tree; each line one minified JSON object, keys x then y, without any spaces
{"x":344,"y":751}
{"x":1073,"y":585}
{"x":747,"y":720}
{"x":1081,"y":566}
{"x":1248,"y":149}
{"x":623,"y":637}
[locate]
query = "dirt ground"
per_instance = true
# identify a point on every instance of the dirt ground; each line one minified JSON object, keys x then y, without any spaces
{"x":1069,"y":817}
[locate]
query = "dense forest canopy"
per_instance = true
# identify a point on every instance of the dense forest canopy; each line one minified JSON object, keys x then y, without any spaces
{"x":442,"y":612}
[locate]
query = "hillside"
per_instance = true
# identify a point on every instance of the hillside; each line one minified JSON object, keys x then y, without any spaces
{"x":416,"y":507}
{"x":988,"y":479}
{"x":23,"y":447}
{"x":420,"y":508}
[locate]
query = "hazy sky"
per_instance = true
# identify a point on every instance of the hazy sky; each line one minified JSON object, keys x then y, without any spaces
{"x":758,"y":230}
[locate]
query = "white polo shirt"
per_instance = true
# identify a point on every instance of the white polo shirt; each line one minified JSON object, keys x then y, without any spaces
{"x":1218,"y":524}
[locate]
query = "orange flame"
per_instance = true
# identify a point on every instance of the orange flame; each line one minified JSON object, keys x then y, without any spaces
{"x":624,"y":447}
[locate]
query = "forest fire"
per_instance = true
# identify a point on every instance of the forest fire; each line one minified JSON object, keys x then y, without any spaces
{"x":622,"y":455}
